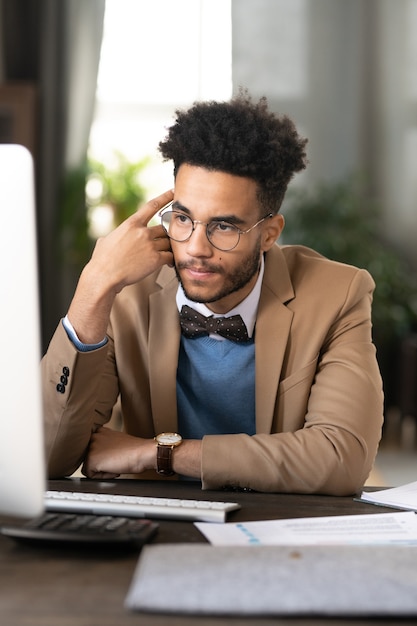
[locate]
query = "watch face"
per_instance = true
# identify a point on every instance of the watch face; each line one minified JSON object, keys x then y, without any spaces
{"x":169,"y":439}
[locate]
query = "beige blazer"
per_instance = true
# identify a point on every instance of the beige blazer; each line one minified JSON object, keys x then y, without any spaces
{"x":319,"y":401}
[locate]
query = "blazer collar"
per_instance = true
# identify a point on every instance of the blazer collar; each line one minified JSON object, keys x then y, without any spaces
{"x":277,"y":276}
{"x":273,"y":326}
{"x":164,"y":341}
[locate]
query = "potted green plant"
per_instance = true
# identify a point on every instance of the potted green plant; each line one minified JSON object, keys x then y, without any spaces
{"x":117,"y":186}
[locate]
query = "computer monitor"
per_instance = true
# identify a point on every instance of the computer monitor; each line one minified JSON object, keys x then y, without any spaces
{"x":22,"y":463}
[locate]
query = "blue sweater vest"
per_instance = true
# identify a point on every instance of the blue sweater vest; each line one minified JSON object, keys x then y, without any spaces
{"x":215,"y":387}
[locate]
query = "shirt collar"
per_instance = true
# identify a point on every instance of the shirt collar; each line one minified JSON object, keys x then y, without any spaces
{"x":247,"y":309}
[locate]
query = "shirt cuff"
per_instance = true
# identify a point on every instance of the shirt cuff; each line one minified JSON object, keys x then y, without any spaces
{"x":82,"y":347}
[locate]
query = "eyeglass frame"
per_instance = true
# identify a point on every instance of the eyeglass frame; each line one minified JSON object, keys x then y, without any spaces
{"x":240,"y":232}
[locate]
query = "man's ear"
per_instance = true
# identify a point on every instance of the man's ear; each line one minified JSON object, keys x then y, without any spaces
{"x":273,"y":228}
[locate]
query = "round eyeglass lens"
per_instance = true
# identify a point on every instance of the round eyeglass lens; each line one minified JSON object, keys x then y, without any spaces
{"x":222,"y":235}
{"x":178,"y":226}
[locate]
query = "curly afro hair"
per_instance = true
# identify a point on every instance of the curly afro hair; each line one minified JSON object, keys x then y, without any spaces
{"x":242,"y":138}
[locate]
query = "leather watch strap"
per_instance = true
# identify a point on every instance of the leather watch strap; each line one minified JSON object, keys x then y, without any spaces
{"x":164,"y":460}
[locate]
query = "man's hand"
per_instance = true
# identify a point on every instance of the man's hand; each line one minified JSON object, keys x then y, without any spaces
{"x":124,"y":257}
{"x":112,"y":453}
{"x":133,"y":250}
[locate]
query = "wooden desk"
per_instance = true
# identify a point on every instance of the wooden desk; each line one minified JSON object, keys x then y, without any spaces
{"x":42,"y":586}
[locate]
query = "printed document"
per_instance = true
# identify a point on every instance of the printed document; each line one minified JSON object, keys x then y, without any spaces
{"x":374,"y":529}
{"x":404,"y":497}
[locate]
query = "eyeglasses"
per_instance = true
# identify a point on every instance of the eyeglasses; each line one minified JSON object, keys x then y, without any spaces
{"x":222,"y":235}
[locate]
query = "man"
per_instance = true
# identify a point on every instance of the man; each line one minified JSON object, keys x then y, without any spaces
{"x":293,"y":404}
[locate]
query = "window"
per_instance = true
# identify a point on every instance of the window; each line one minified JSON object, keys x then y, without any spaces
{"x":157,"y":56}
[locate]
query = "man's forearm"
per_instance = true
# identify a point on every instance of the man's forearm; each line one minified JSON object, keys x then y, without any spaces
{"x":90,"y":309}
{"x":187,"y":458}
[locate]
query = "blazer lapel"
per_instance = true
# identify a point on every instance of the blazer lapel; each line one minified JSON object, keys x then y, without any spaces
{"x":273,"y":325}
{"x":164,"y":340}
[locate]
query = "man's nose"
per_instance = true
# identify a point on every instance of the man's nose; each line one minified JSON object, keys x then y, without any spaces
{"x":198,"y":244}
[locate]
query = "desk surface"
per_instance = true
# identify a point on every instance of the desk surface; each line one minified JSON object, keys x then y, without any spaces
{"x":59,"y":587}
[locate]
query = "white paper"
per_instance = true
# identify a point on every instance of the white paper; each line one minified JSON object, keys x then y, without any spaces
{"x":379,"y":528}
{"x":404,"y":497}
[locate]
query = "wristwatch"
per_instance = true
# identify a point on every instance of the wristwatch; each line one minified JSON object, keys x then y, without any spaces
{"x":165,"y":443}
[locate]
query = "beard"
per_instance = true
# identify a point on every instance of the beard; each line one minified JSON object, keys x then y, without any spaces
{"x":233,"y":280}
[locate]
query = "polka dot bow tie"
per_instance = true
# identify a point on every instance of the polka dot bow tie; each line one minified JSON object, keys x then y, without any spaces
{"x":193,"y":325}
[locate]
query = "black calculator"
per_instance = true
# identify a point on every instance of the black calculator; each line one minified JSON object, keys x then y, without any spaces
{"x":83,"y":529}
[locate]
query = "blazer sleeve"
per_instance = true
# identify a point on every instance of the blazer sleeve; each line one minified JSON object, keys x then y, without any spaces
{"x":72,"y":383}
{"x":329,"y":412}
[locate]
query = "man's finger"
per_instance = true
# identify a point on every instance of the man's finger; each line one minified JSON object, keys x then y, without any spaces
{"x":149,"y":209}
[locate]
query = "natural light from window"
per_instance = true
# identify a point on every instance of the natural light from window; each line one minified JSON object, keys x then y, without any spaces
{"x":156,"y":57}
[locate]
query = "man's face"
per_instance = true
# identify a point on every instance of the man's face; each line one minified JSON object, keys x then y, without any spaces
{"x":219,"y":279}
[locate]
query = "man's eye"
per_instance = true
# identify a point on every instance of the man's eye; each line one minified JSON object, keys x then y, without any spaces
{"x":181,"y":219}
{"x":223,"y":227}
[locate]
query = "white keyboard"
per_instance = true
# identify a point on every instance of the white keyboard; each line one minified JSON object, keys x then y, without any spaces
{"x":138,"y":506}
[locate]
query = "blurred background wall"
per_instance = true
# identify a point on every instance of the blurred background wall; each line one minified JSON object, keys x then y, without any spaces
{"x":347,"y":73}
